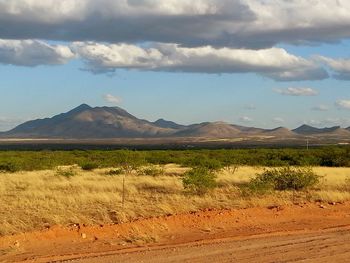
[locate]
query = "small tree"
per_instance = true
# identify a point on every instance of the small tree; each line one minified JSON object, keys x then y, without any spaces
{"x":199,"y":180}
{"x":129,"y":162}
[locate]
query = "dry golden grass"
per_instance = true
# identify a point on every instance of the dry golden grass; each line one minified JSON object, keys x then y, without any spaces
{"x":34,"y":200}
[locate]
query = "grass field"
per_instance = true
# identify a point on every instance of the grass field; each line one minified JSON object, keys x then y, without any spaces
{"x":32,"y":200}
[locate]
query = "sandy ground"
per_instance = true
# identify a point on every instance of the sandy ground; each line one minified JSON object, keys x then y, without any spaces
{"x":298,"y":233}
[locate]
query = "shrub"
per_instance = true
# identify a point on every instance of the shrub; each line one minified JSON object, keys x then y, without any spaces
{"x":8,"y":167}
{"x":66,"y":172}
{"x":199,"y":180}
{"x":204,"y":162}
{"x":89,"y":166}
{"x":151,"y":171}
{"x":115,"y":172}
{"x":285,"y":178}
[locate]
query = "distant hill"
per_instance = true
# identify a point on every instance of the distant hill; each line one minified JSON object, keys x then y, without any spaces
{"x":280,"y":132}
{"x":85,"y":122}
{"x":248,"y":130}
{"x":309,"y":130}
{"x":339,"y":132}
{"x":168,"y":124}
{"x":306,"y":130}
{"x":210,"y":129}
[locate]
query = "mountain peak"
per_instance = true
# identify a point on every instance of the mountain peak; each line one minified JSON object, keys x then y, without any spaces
{"x":84,"y":106}
{"x":167,"y":124}
{"x":305,"y":126}
{"x":80,"y":108}
{"x":280,"y":131}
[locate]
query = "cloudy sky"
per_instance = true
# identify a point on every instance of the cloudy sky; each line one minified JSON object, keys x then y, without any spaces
{"x":263,"y":63}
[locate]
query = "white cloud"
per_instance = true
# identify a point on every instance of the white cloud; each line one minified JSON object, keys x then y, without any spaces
{"x":246,"y":119}
{"x":278,"y":120}
{"x":320,"y":107}
{"x":211,"y":36}
{"x":293,"y":91}
{"x":274,"y":63}
{"x":33,"y":53}
{"x":340,"y":67}
{"x":343,"y":104}
{"x":112,"y":99}
{"x":235,"y":23}
{"x":313,"y":122}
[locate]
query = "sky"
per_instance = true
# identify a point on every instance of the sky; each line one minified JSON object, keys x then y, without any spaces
{"x":262,"y":63}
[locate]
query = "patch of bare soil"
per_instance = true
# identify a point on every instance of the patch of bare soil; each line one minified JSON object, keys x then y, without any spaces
{"x":306,"y":232}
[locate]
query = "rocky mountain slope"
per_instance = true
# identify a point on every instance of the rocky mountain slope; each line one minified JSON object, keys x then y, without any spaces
{"x":85,"y":122}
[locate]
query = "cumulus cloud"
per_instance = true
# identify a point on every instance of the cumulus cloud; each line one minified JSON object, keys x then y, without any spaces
{"x":112,"y":99}
{"x":274,"y":63}
{"x":278,"y":120}
{"x":233,"y":23}
{"x":340,"y":67}
{"x":292,"y":91}
{"x":320,"y":107}
{"x":343,"y":104}
{"x":206,"y":36}
{"x":245,"y":119}
{"x":176,"y":21}
{"x":33,"y":53}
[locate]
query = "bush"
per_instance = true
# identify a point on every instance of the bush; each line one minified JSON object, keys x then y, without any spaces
{"x":151,"y":171}
{"x":66,"y":172}
{"x":199,"y":180}
{"x":115,"y":172}
{"x":8,"y":167}
{"x":204,"y":162}
{"x":285,"y":178}
{"x":89,"y":166}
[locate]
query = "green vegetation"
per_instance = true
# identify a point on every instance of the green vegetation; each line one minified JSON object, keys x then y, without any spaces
{"x":151,"y":171}
{"x":67,"y":172}
{"x":284,"y":178}
{"x":8,"y":167}
{"x":89,"y":166}
{"x":199,"y":180}
{"x":336,"y":156}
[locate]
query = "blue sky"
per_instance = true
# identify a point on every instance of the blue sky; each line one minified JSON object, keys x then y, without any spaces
{"x":179,"y":79}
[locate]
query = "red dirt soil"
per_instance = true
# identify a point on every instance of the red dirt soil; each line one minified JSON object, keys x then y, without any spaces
{"x":307,"y":232}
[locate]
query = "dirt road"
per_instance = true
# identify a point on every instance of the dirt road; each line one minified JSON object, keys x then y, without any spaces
{"x":304,"y":233}
{"x":327,"y":246}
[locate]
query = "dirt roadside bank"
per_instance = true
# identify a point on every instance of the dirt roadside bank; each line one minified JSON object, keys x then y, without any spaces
{"x":274,"y":234}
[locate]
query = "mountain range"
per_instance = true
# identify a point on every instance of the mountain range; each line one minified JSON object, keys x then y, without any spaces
{"x":85,"y":122}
